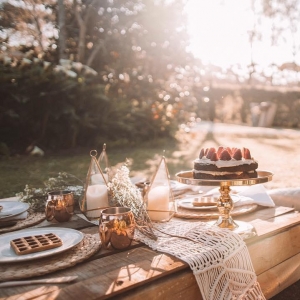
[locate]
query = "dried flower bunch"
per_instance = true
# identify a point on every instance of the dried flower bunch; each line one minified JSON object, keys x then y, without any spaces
{"x":122,"y":192}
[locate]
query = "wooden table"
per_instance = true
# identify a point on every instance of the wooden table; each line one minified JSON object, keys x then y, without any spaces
{"x":141,"y":273}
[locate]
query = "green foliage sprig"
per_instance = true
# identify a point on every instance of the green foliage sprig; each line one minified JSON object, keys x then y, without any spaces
{"x":36,"y":197}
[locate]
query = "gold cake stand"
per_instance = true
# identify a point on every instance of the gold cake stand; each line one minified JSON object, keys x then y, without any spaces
{"x":225,"y":203}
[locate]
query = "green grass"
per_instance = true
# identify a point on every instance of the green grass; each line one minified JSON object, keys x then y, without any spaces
{"x":16,"y":172}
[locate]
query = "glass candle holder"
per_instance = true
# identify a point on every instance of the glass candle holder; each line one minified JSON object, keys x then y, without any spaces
{"x":116,"y":227}
{"x":95,"y":197}
{"x":59,"y":206}
{"x":158,"y":195}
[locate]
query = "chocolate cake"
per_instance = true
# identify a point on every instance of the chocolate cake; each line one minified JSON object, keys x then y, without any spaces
{"x":225,"y":163}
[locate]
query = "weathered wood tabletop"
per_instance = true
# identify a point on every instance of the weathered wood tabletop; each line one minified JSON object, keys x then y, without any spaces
{"x":141,"y":273}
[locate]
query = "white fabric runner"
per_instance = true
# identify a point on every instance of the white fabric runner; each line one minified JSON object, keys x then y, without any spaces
{"x":247,"y":195}
{"x":219,"y":258}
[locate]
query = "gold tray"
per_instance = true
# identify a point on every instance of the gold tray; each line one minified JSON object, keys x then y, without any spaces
{"x":186,"y":177}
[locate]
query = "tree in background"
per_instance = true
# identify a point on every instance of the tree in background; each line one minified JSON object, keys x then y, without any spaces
{"x":285,"y":16}
{"x":28,"y":23}
{"x":136,"y":50}
{"x":62,"y":36}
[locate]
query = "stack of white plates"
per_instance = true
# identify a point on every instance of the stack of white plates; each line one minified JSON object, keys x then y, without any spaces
{"x":12,"y":211}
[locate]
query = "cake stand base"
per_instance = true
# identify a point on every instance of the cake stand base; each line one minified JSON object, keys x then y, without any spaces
{"x":227,"y":223}
{"x":246,"y":230}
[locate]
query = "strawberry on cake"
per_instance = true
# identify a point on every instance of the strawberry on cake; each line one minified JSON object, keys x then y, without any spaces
{"x":225,"y":163}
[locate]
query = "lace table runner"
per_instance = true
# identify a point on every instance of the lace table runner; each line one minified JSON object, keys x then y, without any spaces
{"x":219,"y":258}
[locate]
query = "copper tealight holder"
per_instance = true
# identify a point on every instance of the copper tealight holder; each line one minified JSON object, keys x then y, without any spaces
{"x":59,"y":206}
{"x":116,"y":227}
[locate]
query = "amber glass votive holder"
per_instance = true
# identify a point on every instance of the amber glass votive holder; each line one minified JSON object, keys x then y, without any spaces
{"x":59,"y":206}
{"x":116,"y":227}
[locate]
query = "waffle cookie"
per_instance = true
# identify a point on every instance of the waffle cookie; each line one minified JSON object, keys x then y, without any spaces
{"x":35,"y":243}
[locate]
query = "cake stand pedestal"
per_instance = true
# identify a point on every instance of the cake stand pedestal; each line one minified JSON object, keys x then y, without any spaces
{"x":225,"y":203}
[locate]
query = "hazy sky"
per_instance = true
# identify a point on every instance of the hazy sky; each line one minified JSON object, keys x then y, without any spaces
{"x":219,"y":32}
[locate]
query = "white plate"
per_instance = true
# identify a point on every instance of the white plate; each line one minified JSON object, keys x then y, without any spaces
{"x":69,"y":237}
{"x":188,"y":203}
{"x":12,"y":208}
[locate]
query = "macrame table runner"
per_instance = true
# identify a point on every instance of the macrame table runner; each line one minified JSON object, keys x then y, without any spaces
{"x":218,"y":257}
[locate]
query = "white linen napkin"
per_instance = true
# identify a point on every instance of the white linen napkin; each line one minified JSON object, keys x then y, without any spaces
{"x":256,"y":194}
{"x":181,"y":189}
{"x":259,"y":195}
